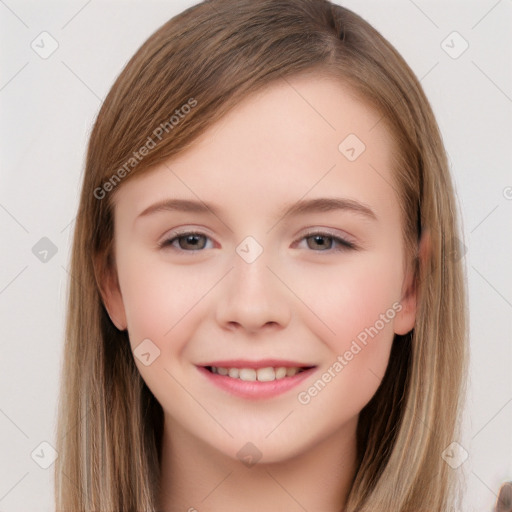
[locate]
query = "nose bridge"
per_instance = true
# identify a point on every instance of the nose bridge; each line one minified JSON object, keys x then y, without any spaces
{"x":252,"y":295}
{"x":251,"y":272}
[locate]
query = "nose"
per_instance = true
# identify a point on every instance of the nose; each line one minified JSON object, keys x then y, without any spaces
{"x":253,"y":297}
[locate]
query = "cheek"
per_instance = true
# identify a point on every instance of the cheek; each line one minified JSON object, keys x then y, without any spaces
{"x":162,"y":305}
{"x":160,"y":301}
{"x":358,"y":303}
{"x":359,"y":306}
{"x":354,"y":298}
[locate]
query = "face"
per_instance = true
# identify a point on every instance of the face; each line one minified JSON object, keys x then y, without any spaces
{"x":240,"y":280}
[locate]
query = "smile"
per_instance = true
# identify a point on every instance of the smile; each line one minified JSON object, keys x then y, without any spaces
{"x":266,"y":374}
{"x":255,"y":380}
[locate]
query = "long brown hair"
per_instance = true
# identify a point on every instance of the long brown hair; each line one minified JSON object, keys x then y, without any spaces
{"x":210,"y":57}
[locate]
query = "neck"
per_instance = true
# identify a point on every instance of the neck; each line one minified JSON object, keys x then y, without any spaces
{"x":196,"y":477}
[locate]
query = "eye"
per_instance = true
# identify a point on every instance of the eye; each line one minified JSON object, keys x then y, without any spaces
{"x":188,"y":241}
{"x":325,"y":242}
{"x":195,"y":241}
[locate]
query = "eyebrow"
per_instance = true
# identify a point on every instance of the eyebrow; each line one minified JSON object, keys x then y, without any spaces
{"x":301,"y":207}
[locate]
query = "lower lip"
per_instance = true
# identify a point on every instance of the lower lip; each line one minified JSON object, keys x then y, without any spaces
{"x":255,"y":389}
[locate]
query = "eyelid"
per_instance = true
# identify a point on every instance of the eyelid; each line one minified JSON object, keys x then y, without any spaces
{"x":345,"y":243}
{"x":329,"y":232}
{"x":182,"y":232}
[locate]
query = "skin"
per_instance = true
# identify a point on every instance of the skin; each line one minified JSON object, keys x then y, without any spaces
{"x":299,"y":300}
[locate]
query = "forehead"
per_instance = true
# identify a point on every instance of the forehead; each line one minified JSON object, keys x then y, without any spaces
{"x":300,"y":136}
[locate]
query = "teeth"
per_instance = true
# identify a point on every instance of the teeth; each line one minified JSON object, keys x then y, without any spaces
{"x":290,"y":372}
{"x":247,"y":374}
{"x":261,"y":374}
{"x":280,"y":372}
{"x":233,"y":372}
{"x":266,"y":374}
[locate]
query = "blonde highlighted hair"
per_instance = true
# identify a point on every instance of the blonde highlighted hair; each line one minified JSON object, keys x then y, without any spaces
{"x":110,"y":425}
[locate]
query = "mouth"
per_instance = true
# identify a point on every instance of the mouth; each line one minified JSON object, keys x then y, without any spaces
{"x":256,"y":379}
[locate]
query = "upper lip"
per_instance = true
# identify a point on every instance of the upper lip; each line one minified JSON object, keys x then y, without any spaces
{"x":261,"y":363}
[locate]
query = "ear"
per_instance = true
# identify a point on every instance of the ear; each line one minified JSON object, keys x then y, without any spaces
{"x":406,"y":317}
{"x":108,"y":284}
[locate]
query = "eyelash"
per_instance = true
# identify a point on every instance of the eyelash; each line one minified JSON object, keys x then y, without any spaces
{"x":345,"y":245}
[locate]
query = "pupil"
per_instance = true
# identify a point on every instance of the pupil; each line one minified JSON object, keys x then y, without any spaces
{"x":192,"y":240}
{"x":320,"y":240}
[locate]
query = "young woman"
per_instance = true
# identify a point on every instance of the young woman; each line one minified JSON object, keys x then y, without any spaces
{"x":267,"y":310}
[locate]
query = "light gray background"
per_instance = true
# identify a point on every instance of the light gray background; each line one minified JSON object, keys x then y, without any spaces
{"x":47,"y":110}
